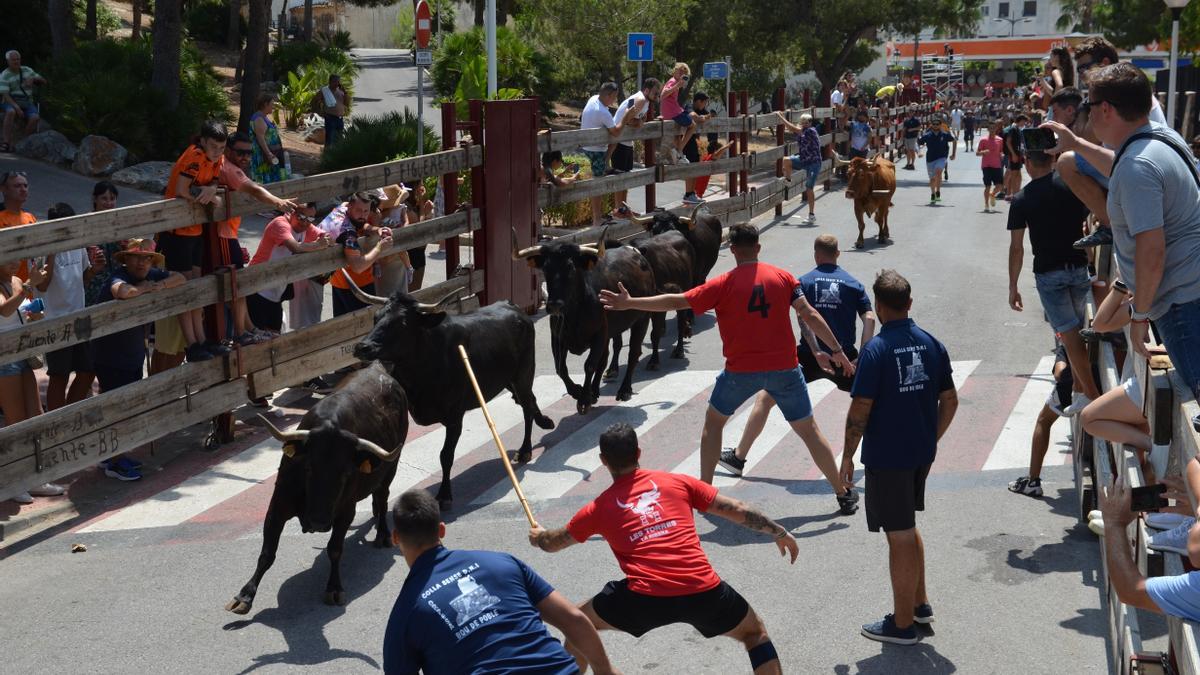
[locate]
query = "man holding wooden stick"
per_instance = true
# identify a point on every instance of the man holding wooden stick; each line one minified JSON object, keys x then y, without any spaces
{"x":646,"y":518}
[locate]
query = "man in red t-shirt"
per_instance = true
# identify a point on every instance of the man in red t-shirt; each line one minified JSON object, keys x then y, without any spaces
{"x":646,"y":518}
{"x":752,"y":302}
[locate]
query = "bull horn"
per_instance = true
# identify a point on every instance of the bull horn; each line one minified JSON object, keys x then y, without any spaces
{"x":600,"y":246}
{"x":295,"y":436}
{"x":524,"y":253}
{"x":368,"y":446}
{"x":634,"y":218}
{"x":429,"y":308}
{"x":691,"y":220}
{"x":881,"y":193}
{"x":838,"y":161}
{"x":363,"y":295}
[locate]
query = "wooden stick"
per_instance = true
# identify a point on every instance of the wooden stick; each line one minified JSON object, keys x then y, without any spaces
{"x":496,"y":437}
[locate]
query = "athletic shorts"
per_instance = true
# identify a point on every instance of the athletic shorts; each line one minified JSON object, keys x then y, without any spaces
{"x":74,"y":359}
{"x":812,"y":370}
{"x":1090,"y":171}
{"x":993,"y":175}
{"x":622,"y":158}
{"x":935,"y":166}
{"x":713,"y":612}
{"x":787,"y":387}
{"x":893,"y":497}
{"x":692,"y":150}
{"x":910,"y":144}
{"x":1015,"y":166}
{"x":683,"y":119}
{"x":596,"y":159}
{"x":181,"y":253}
{"x":233,"y":253}
{"x":111,"y":378}
{"x":416,"y":256}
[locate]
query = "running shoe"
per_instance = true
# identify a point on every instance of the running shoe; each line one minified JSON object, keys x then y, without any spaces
{"x":886,"y":631}
{"x":1102,"y":235}
{"x":691,"y":198}
{"x":993,"y":200}
{"x":196,"y":353}
{"x":23,"y":498}
{"x":246,"y":339}
{"x":999,"y":195}
{"x":1174,"y":540}
{"x":47,"y":490}
{"x":122,"y":471}
{"x":1025,"y":485}
{"x":932,"y":199}
{"x":217,"y":348}
{"x":810,"y":220}
{"x":923,"y":613}
{"x":318,"y":385}
{"x":729,"y":460}
{"x":848,"y":502}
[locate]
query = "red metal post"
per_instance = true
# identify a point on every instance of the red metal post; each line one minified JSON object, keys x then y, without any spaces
{"x":732,"y":107}
{"x":650,"y":160}
{"x":780,"y":139}
{"x":450,"y":186}
{"x":745,"y":145}
{"x":478,"y":185}
{"x":807,"y":98}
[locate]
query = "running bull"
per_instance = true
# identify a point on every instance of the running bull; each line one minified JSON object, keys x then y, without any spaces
{"x":332,"y":460}
{"x":419,"y":342}
{"x":871,"y":184}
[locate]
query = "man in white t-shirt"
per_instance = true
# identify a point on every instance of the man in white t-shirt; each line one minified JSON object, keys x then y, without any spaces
{"x":597,"y":114}
{"x":633,"y":112}
{"x":66,"y":274}
{"x":956,"y":118}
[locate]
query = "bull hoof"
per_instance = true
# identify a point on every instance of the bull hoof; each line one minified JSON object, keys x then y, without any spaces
{"x":678,"y":353}
{"x":610,"y":374}
{"x":652,"y":364}
{"x":239,"y":606}
{"x":859,"y":244}
{"x":543,"y":422}
{"x":582,"y":408}
{"x":624,"y":395}
{"x":445,"y":504}
{"x":524,"y":456}
{"x":382,"y":541}
{"x":335,"y":598}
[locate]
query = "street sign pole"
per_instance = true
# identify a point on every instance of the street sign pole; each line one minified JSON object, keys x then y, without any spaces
{"x":424,"y":24}
{"x":639,"y":75}
{"x":728,"y":75}
{"x":420,"y":110}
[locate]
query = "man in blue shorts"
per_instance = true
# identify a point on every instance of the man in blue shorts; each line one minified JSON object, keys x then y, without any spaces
{"x":17,"y":84}
{"x":596,"y":115}
{"x":806,"y":159}
{"x":903,"y":401}
{"x":752,"y":302}
{"x":939,"y":145}
{"x":475,"y":611}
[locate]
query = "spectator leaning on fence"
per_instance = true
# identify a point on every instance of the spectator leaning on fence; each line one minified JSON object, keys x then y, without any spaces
{"x":597,"y":115}
{"x":860,"y":135}
{"x":632,"y":112}
{"x":345,"y":225}
{"x":806,"y":159}
{"x":1154,"y":207}
{"x":286,"y":235}
{"x":15,"y":186}
{"x":104,"y":198}
{"x":672,"y":110}
{"x":17,"y":86}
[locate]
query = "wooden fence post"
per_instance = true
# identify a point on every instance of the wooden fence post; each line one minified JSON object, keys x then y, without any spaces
{"x":478,"y":185}
{"x":732,"y":107}
{"x":745,"y":145}
{"x":450,"y":186}
{"x":509,"y":159}
{"x":780,"y":139}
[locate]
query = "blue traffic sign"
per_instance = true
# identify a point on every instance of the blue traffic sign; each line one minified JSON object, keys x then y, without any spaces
{"x":718,"y":70}
{"x":641,"y":47}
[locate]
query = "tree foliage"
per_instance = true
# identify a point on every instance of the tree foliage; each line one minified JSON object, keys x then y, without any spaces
{"x":1131,"y":23}
{"x":519,"y":67}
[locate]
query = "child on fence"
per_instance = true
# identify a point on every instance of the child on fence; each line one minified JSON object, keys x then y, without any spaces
{"x":671,"y":109}
{"x":807,"y":159}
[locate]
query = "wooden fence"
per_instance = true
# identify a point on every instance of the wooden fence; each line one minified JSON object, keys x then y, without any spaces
{"x":77,"y":436}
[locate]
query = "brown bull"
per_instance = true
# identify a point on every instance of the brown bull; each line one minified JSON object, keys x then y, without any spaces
{"x":871,"y":184}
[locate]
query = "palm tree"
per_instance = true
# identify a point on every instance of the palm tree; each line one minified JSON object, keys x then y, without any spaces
{"x":1077,"y":15}
{"x":166,"y":41}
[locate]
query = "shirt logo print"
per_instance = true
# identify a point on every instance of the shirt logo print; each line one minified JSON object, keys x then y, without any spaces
{"x":646,"y":506}
{"x":914,"y":373}
{"x":472,"y":599}
{"x":832,"y":295}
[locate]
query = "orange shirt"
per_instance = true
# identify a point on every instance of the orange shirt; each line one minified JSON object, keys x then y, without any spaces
{"x":232,"y":179}
{"x":9,"y":219}
{"x":361,"y":278}
{"x":194,"y":164}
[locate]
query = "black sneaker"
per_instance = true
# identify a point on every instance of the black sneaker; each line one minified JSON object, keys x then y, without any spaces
{"x":318,"y":386}
{"x":848,"y":502}
{"x":729,"y":460}
{"x":1102,"y":235}
{"x":923,"y":614}
{"x":1025,"y":485}
{"x":1000,"y":195}
{"x":196,"y":353}
{"x":217,"y":348}
{"x":1089,"y":335}
{"x":1196,"y":423}
{"x":886,"y":631}
{"x":261,"y":402}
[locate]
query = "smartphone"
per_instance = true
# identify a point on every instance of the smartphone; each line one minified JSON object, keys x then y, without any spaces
{"x":1038,"y":139}
{"x":1147,"y":498}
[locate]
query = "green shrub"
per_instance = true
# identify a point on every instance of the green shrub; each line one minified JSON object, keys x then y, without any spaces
{"x":576,"y":214}
{"x":107,"y":20}
{"x":339,"y":40}
{"x":121,"y":107}
{"x":208,"y":21}
{"x":291,"y":57}
{"x":518,"y":66}
{"x":375,"y":139}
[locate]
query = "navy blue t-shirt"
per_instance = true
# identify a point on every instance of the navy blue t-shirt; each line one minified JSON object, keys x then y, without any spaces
{"x":902,"y":370}
{"x":937,"y":145}
{"x":912,"y":127}
{"x":839,"y":298}
{"x":124,"y":349}
{"x":471,"y":612}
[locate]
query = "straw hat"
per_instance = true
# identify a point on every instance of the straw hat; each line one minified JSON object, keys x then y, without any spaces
{"x":141,"y":247}
{"x":393,"y":196}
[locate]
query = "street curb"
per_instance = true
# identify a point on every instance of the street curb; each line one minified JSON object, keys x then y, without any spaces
{"x":22,"y":522}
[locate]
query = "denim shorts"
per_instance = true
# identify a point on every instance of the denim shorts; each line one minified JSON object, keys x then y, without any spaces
{"x":1180,"y":331}
{"x":787,"y":387}
{"x":935,"y":166}
{"x":15,"y":368}
{"x":811,"y":170}
{"x":683,"y":119}
{"x":1090,"y":171}
{"x":30,"y":109}
{"x":596,"y":159}
{"x":1064,"y":295}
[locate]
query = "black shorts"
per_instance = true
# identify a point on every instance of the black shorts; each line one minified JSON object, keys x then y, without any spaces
{"x":893,"y":497}
{"x":233,"y":253}
{"x":622,"y":158}
{"x":181,"y":253}
{"x":713,"y":612}
{"x":993,"y":175}
{"x":416,"y":256}
{"x":1015,"y":166}
{"x":265,"y":313}
{"x":114,"y":378}
{"x":692,"y":150}
{"x":74,"y":359}
{"x":969,"y":134}
{"x":812,"y":370}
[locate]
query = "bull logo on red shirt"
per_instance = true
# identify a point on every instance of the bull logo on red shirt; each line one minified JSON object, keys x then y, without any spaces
{"x":646,"y":506}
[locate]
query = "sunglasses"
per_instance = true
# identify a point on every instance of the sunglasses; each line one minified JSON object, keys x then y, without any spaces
{"x":11,"y":174}
{"x":243,"y":153}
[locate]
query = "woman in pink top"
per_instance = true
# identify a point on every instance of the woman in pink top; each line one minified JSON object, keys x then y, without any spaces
{"x":670,"y":109}
{"x":991,"y":149}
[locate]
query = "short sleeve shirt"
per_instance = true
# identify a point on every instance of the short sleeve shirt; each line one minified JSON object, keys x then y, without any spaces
{"x":994,"y":159}
{"x":885,"y":92}
{"x":629,"y":103}
{"x":18,"y":85}
{"x":232,"y":178}
{"x":1176,"y":596}
{"x":912,"y":127}
{"x":124,"y":349}
{"x":1053,"y":215}
{"x":937,"y":145}
{"x":669,"y":105}
{"x":837,"y":97}
{"x":646,"y":518}
{"x":860,"y":135}
{"x":64,"y":294}
{"x":809,"y":145}
{"x":194,"y":164}
{"x":839,"y":298}
{"x":753,"y":304}
{"x":903,"y":370}
{"x":1151,"y":189}
{"x":596,"y":116}
{"x":1012,"y":136}
{"x":10,"y":219}
{"x":471,"y":612}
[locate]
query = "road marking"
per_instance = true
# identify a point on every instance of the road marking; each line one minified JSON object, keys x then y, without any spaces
{"x":1011,"y":450}
{"x":578,"y":455}
{"x":199,"y":493}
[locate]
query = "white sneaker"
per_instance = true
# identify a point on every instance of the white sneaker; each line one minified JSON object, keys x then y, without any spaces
{"x":1096,"y":525}
{"x":1078,"y":403}
{"x":680,"y":158}
{"x":1164,"y":520}
{"x":1095,"y":514}
{"x":1174,"y":540}
{"x":48,"y":490}
{"x":811,"y":219}
{"x":23,"y":498}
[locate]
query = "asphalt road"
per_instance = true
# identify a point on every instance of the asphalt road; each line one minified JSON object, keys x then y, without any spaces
{"x":1014,"y":580}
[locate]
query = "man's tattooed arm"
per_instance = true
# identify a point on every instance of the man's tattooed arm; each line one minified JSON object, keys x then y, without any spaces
{"x":856,"y":425}
{"x":745,"y":515}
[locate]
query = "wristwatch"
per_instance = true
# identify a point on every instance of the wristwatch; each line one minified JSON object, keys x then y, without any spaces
{"x":1139,"y":316}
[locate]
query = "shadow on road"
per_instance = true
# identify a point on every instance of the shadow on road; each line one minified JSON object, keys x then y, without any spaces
{"x":895,"y":659}
{"x":301,"y":616}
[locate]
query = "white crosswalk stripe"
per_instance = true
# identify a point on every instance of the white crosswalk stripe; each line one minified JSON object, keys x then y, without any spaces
{"x":562,"y":466}
{"x":1011,"y":450}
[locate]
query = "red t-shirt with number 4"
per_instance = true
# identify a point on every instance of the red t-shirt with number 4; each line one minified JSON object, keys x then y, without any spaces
{"x":646,"y":518}
{"x":753,"y":303}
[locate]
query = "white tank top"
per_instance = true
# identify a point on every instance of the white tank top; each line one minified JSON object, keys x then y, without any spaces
{"x":12,"y":320}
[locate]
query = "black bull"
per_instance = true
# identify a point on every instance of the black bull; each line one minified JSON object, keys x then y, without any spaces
{"x":334,"y":459}
{"x":419,"y":344}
